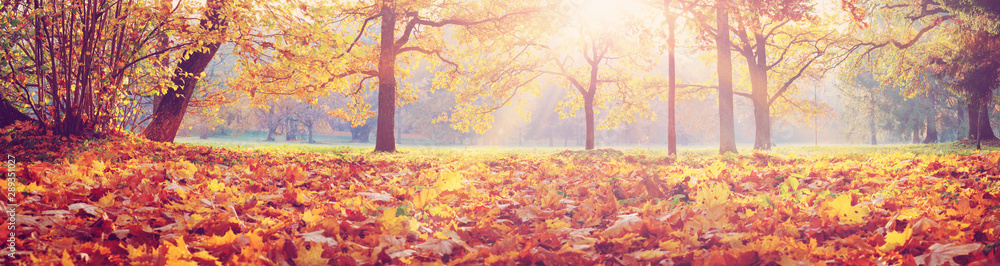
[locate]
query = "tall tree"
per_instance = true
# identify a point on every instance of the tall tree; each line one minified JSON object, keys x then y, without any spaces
{"x":613,"y":76}
{"x":975,"y":71}
{"x":169,"y":113}
{"x":806,"y":47}
{"x":929,"y":30}
{"x":670,"y":17}
{"x":893,"y":113}
{"x":409,"y":33}
{"x":727,"y":133}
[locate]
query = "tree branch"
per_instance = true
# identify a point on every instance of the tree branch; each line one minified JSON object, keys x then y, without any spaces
{"x":360,"y":32}
{"x":788,"y":83}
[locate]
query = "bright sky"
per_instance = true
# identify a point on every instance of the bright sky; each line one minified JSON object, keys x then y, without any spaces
{"x":605,"y":12}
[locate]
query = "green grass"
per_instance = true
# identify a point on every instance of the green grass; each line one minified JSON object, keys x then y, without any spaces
{"x":342,"y":147}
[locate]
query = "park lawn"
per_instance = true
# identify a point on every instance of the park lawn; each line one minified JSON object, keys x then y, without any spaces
{"x":124,"y":200}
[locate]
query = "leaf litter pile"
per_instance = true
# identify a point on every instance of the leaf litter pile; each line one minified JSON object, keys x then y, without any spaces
{"x":124,"y":200}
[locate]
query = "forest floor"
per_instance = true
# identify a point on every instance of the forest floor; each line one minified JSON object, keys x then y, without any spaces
{"x":124,"y":200}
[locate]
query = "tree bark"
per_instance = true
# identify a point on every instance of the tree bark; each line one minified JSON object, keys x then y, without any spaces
{"x":979,"y":121}
{"x":930,"y":124}
{"x":871,"y":114}
{"x":874,"y":140}
{"x":272,"y":126}
{"x":672,"y":88}
{"x":309,"y":127}
{"x":385,"y":140}
{"x":550,"y":138}
{"x":293,"y":127}
{"x":727,"y":133}
{"x":361,"y":134}
{"x":588,"y":100}
{"x":759,"y":95}
{"x":588,"y":109}
{"x":931,"y":129}
{"x":170,"y":111}
{"x":9,"y":114}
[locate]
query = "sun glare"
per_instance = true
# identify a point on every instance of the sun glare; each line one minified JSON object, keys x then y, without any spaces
{"x":600,"y":13}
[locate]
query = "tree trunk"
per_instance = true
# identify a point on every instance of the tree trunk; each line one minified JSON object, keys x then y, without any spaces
{"x":588,"y":109}
{"x":672,"y":89}
{"x":727,"y":132}
{"x":550,"y":137}
{"x":871,"y":114}
{"x":931,"y":129}
{"x":588,"y":104}
{"x":759,"y":95}
{"x":9,"y":114}
{"x":385,"y":140}
{"x":309,"y":127}
{"x":362,"y":134}
{"x":871,"y":125}
{"x":170,"y":111}
{"x":272,"y":126}
{"x":916,"y":134}
{"x":271,"y":130}
{"x":979,"y":122}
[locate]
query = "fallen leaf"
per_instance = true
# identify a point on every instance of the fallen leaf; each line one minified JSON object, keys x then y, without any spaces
{"x":939,"y":254}
{"x":625,"y":223}
{"x":318,"y":237}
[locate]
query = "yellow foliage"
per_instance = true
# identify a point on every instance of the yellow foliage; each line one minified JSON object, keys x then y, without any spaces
{"x":215,"y":185}
{"x":225,"y":239}
{"x":845,"y":212}
{"x":895,"y":239}
{"x":178,"y":254}
{"x":311,"y":217}
{"x":66,"y":259}
{"x":556,"y":224}
{"x":483,"y":208}
{"x":311,"y":255}
{"x":448,"y":181}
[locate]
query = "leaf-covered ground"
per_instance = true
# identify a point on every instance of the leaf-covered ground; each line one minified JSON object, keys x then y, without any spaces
{"x":123,"y":200}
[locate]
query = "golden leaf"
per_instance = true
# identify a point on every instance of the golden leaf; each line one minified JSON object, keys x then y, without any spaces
{"x":215,"y":185}
{"x":178,"y":254}
{"x":895,"y":239}
{"x":845,"y":212}
{"x":216,"y":241}
{"x":311,"y":256}
{"x":66,"y":259}
{"x":448,"y":181}
{"x":311,"y":217}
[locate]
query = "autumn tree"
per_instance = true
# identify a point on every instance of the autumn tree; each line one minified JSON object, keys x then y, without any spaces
{"x":408,"y":32}
{"x":897,"y":114}
{"x":616,"y":53}
{"x":974,"y":70}
{"x":671,"y":15}
{"x":950,"y":37}
{"x":781,"y":43}
{"x":68,"y":64}
{"x":727,"y":134}
{"x":597,"y":50}
{"x":170,"y":110}
{"x":804,"y":43}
